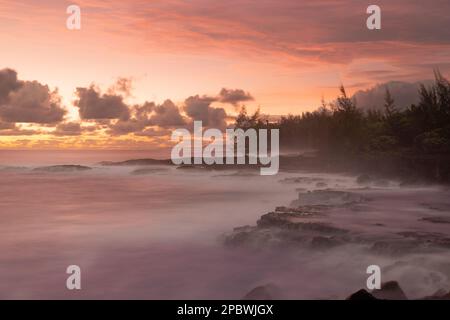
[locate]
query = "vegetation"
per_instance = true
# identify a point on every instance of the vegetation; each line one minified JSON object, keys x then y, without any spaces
{"x":408,"y":134}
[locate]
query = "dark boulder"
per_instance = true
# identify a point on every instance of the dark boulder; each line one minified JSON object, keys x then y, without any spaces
{"x":361,"y":295}
{"x":390,"y":290}
{"x":265,"y":292}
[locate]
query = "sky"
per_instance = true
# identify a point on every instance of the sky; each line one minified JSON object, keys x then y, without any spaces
{"x":137,"y":69}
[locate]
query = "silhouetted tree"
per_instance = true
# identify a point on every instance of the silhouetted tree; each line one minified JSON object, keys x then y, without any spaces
{"x":422,"y":129}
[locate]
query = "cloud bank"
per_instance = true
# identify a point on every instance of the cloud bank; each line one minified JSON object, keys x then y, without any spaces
{"x":110,"y":113}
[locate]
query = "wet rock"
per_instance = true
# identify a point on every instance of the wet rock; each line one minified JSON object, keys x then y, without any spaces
{"x":394,"y":247}
{"x":283,"y":209}
{"x":436,"y":219}
{"x":381,"y":183}
{"x":411,"y":181}
{"x":361,"y":295}
{"x":240,"y":173}
{"x":364,"y":179}
{"x":443,"y":242}
{"x":321,"y":242}
{"x":265,"y":292}
{"x":289,"y":227}
{"x":145,"y":171}
{"x":327,"y":197}
{"x":255,"y":237}
{"x":390,"y":290}
{"x":321,"y":227}
{"x":193,"y":167}
{"x":293,"y":221}
{"x":137,"y":162}
{"x":12,"y":169}
{"x":63,"y":168}
{"x":439,"y":295}
{"x":427,"y":238}
{"x":303,"y":180}
{"x":321,"y":185}
{"x":436,"y":206}
{"x":239,"y":236}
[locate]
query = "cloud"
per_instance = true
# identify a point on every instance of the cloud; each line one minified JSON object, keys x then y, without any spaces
{"x":404,"y":94}
{"x":199,"y":108}
{"x":28,"y":101}
{"x":139,"y":119}
{"x":31,"y":102}
{"x":234,"y":96}
{"x":124,"y":127}
{"x":167,"y":115}
{"x":302,"y":30}
{"x":152,"y":132}
{"x":123,"y":85}
{"x":68,"y":129}
{"x":305,"y":32}
{"x":13,"y":130}
{"x":93,"y":105}
{"x":6,"y":125}
{"x":148,"y":115}
{"x":217,"y":118}
{"x":8,"y":83}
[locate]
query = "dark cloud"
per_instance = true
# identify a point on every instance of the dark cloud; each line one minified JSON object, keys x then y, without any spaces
{"x":68,"y":129}
{"x":13,"y":130}
{"x":144,"y":111}
{"x":234,"y":96}
{"x":32,"y":102}
{"x":29,"y":102}
{"x":404,"y":94}
{"x":147,"y":115}
{"x":307,"y":32}
{"x":129,"y":126}
{"x":122,"y":127}
{"x":138,"y":121}
{"x":152,"y":132}
{"x":199,"y":108}
{"x":95,"y":106}
{"x":8,"y":83}
{"x":123,"y":85}
{"x":217,"y":118}
{"x":167,"y":115}
{"x":6,"y":125}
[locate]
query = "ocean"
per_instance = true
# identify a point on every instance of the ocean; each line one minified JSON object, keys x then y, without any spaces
{"x":156,"y":232}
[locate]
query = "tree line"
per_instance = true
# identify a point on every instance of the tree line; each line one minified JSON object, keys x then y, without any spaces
{"x":342,"y":128}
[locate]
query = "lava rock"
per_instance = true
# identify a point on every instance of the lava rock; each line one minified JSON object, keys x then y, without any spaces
{"x":265,"y":292}
{"x":390,"y":290}
{"x":361,"y":295}
{"x":62,"y":168}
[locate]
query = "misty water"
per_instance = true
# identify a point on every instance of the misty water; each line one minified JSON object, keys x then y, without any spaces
{"x":156,"y":233}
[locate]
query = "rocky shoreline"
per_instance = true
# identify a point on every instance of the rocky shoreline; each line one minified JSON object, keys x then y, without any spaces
{"x":330,"y":219}
{"x":390,"y":290}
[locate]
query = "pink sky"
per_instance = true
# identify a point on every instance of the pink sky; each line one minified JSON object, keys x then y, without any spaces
{"x":286,"y":53}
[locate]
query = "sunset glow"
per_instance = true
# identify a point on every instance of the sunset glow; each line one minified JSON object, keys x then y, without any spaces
{"x":286,"y":56}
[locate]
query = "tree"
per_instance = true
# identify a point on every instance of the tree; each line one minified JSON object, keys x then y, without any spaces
{"x":389,"y":104}
{"x":343,"y":102}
